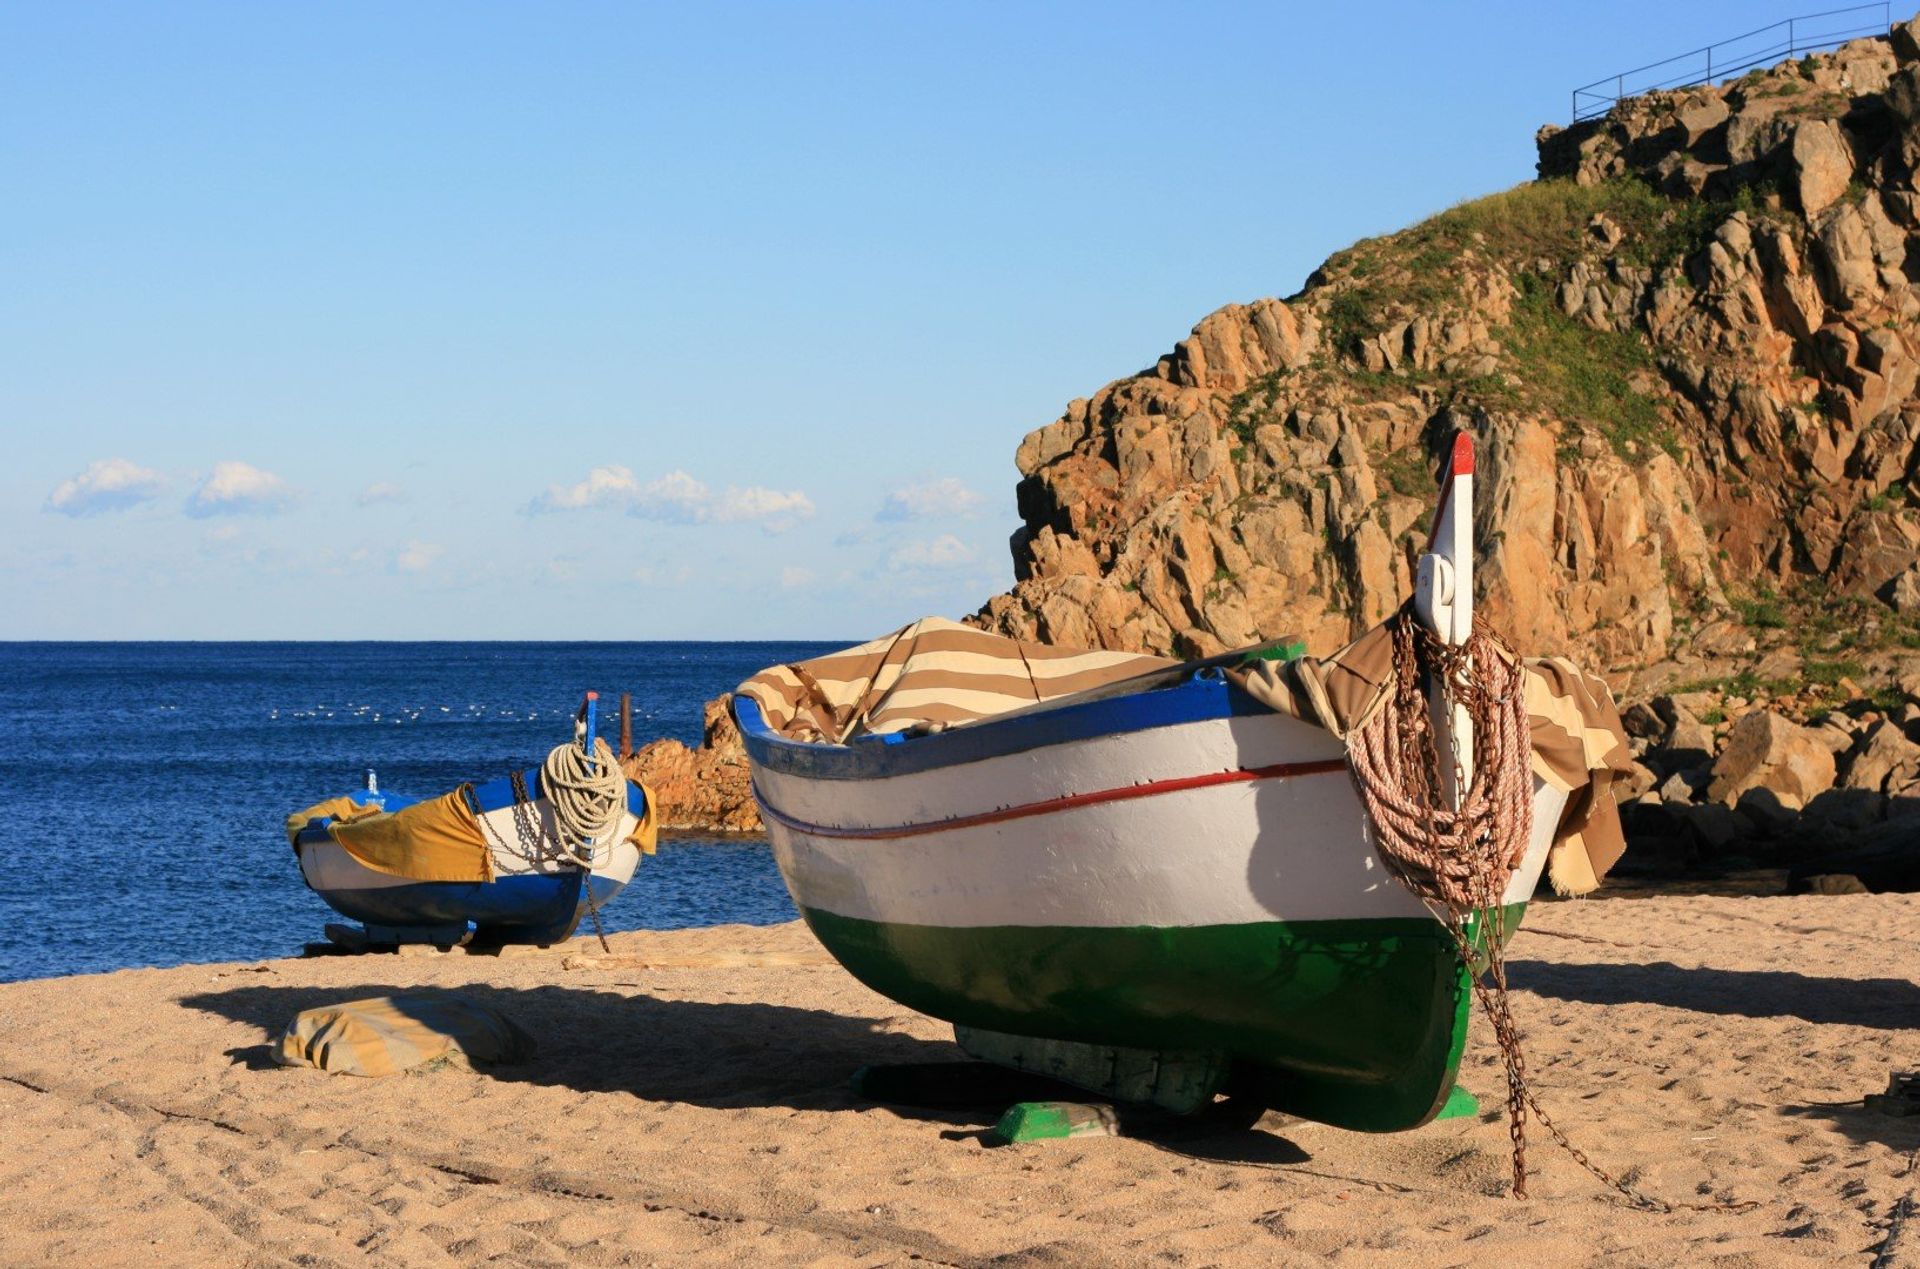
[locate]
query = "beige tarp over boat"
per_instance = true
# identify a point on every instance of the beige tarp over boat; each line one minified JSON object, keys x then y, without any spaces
{"x":937,"y":673}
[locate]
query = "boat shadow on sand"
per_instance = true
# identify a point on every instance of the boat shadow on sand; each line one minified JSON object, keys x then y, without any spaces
{"x":1880,"y":1004}
{"x":1885,"y":1004}
{"x":732,"y":1055}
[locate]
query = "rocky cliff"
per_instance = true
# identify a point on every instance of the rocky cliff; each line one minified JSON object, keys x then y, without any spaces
{"x":1688,"y":355}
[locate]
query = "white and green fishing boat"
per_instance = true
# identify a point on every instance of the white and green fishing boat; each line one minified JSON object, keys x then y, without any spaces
{"x":1093,"y":862}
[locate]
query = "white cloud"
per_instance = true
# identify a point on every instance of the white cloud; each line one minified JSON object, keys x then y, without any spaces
{"x":680,"y":499}
{"x":760,"y":504}
{"x":946,"y":496}
{"x":603,"y":487}
{"x":677,"y":498}
{"x":793,"y":577}
{"x":417,"y":556}
{"x":943,"y":552}
{"x":381,"y":491}
{"x":110,"y":484}
{"x":237,"y":488}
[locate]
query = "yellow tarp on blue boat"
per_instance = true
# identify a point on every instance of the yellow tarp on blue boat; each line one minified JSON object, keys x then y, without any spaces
{"x":436,"y":840}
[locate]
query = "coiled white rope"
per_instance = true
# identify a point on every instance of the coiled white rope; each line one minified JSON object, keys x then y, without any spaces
{"x":587,"y":795}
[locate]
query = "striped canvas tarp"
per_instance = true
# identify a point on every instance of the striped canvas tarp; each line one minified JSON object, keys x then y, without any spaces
{"x":933,"y":673}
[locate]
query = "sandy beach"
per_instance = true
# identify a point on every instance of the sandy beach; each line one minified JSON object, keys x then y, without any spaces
{"x":689,"y":1106}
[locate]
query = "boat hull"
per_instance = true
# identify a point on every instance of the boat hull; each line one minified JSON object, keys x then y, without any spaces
{"x":1181,"y":871}
{"x":526,"y":902}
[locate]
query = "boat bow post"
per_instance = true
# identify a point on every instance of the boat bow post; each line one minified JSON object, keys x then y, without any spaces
{"x":1443,"y":600}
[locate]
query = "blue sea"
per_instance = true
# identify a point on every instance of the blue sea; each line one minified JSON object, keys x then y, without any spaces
{"x":143,"y":785}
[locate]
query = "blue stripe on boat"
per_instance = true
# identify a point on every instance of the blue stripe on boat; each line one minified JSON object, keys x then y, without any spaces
{"x":1202,"y":698}
{"x":495,"y":795}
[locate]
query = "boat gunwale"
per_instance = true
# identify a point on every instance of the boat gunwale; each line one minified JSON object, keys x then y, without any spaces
{"x":1205,"y":697}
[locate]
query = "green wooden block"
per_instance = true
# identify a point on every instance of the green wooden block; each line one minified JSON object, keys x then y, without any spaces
{"x":1053,"y":1121}
{"x":1460,"y":1104}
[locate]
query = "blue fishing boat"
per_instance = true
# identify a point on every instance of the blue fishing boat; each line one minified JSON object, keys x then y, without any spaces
{"x":519,"y":859}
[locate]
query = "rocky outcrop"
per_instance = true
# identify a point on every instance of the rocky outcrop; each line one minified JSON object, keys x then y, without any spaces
{"x":704,"y":788}
{"x":1775,"y":772}
{"x":1688,"y":353}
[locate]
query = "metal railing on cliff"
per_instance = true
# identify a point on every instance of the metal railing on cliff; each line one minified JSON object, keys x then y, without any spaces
{"x":1790,"y":37}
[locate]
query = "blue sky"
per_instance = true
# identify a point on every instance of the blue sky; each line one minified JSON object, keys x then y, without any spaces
{"x":631,"y":321}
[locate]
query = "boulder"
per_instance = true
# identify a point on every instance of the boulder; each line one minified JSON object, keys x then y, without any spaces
{"x":1836,"y":735}
{"x":1833,"y":883}
{"x":1905,"y":38}
{"x":1905,"y":592}
{"x":1822,"y":165}
{"x":1767,"y":751}
{"x":1660,"y":830}
{"x":1888,"y":761}
{"x":1843,"y":811}
{"x":1642,"y":721}
{"x":1639,"y":779}
{"x":1762,"y":808}
{"x":1690,"y":743}
{"x":1684,"y":786}
{"x":1904,"y":801}
{"x":1715,"y":827}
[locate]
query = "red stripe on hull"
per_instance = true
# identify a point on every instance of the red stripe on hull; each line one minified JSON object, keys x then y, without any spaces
{"x":1279,"y":771}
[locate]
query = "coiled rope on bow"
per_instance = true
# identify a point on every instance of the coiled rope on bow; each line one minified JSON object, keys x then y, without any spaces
{"x":587,"y":793}
{"x":1458,"y":857}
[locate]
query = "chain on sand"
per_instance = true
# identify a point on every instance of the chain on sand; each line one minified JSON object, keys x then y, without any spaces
{"x":1457,"y":853}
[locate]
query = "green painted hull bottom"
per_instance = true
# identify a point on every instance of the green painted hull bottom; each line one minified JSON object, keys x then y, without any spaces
{"x":1358,"y":1024}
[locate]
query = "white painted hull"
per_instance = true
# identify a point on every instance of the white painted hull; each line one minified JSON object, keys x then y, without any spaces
{"x":1286,"y":848}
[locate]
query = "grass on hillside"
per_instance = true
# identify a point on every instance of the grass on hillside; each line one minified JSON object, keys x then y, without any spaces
{"x":1586,"y":378}
{"x":1581,"y":375}
{"x":1539,"y":221}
